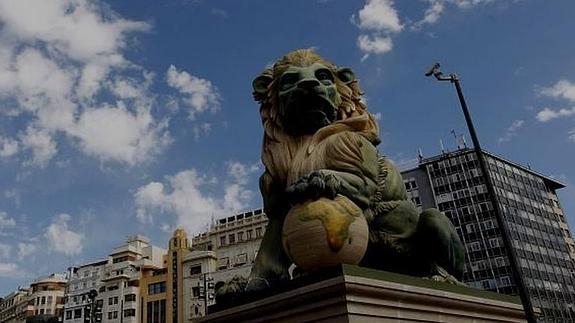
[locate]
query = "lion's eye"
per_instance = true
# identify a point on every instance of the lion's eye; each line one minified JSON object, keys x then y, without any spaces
{"x":324,"y":75}
{"x":288,"y":80}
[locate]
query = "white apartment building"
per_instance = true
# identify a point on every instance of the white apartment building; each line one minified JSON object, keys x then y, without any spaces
{"x":47,"y":297}
{"x":82,"y":279}
{"x":227,"y":250}
{"x":14,"y":307}
{"x":116,"y":281}
{"x":44,"y":298}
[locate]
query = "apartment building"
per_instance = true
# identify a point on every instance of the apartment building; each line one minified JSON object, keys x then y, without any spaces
{"x":116,"y":282}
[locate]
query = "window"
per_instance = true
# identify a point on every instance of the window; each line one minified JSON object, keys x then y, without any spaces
{"x":249,"y":234}
{"x":196,"y":270}
{"x":130,"y":298}
{"x":130,"y":312}
{"x":109,"y":315}
{"x":77,"y":313}
{"x":115,"y":314}
{"x":223,"y":263}
{"x":43,"y":300}
{"x":222,"y":240}
{"x":258,"y":232}
{"x":156,"y":311}
{"x":156,"y":288}
{"x":113,"y":300}
{"x":196,"y":292}
{"x":232,"y":238}
{"x":241,"y":259}
{"x":68,"y":315}
{"x":240,"y":236}
{"x":416,"y":200}
{"x":49,"y":299}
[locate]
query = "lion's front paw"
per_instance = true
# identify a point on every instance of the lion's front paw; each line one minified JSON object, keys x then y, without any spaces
{"x":313,"y":186}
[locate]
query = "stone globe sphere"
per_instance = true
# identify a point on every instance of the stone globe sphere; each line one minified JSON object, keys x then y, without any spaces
{"x":324,"y":233}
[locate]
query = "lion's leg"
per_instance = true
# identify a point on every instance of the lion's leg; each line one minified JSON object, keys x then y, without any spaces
{"x":272,"y":263}
{"x":438,"y":245}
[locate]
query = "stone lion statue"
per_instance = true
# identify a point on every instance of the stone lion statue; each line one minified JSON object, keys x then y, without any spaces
{"x":320,"y":141}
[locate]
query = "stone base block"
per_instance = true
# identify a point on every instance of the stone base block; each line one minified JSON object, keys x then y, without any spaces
{"x":365,"y":295}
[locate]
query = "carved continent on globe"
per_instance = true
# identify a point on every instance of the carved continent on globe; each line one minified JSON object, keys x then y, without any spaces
{"x":324,"y":233}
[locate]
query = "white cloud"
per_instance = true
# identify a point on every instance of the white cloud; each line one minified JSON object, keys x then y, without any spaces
{"x":432,"y":14}
{"x":562,"y":89}
{"x":115,"y":133}
{"x":548,"y":114}
{"x":191,"y":197}
{"x":374,"y":45}
{"x":56,"y":56}
{"x":82,"y":29}
{"x":241,"y":172}
{"x":61,"y":238}
{"x":201,"y":130}
{"x":511,"y":131}
{"x":467,"y":4}
{"x":8,"y":147}
{"x":565,"y":90}
{"x":9,"y":270}
{"x":5,"y":250}
{"x":380,"y":16}
{"x":379,"y":19}
{"x":6,"y":221}
{"x":26,"y":249}
{"x":200,"y":95}
{"x":40,"y":142}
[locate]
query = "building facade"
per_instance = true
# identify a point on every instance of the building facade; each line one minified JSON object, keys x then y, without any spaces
{"x":453,"y":182}
{"x":82,"y":280}
{"x":116,"y":282}
{"x":227,"y":250}
{"x":14,"y":307}
{"x":43,"y":299}
{"x":47,"y":295}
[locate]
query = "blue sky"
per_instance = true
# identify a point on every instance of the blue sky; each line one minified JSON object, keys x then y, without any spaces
{"x":125,"y":117}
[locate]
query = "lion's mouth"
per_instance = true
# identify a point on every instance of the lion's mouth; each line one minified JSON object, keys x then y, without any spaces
{"x":308,"y":113}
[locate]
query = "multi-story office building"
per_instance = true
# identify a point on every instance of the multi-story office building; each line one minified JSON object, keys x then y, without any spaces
{"x":454,"y":183}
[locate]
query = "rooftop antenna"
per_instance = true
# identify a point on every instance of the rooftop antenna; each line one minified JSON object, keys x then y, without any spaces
{"x":419,"y":154}
{"x":441,"y":145}
{"x":464,"y":142}
{"x":456,"y":138}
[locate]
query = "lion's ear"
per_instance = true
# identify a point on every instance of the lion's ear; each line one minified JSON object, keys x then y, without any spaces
{"x":261,"y":84}
{"x":345,"y":75}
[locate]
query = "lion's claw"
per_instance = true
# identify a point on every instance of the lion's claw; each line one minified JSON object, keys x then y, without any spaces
{"x":313,"y":186}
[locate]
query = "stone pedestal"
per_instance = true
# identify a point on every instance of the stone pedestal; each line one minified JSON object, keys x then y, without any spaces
{"x":365,"y":295}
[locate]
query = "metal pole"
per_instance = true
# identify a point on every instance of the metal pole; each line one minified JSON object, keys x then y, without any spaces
{"x":505,"y":234}
{"x":205,"y":294}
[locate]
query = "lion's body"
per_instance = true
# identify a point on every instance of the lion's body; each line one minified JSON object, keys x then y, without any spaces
{"x":339,"y":157}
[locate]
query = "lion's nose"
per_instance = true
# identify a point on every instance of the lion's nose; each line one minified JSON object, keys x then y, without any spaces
{"x":308,"y":84}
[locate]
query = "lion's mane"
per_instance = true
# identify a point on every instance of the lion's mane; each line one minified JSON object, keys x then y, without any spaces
{"x":279,"y":147}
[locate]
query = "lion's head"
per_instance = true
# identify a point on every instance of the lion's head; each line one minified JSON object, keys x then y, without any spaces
{"x":303,"y":93}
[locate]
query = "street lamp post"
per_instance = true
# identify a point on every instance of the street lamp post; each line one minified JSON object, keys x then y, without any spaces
{"x":92,"y":296}
{"x":506,"y":236}
{"x":207,"y":292}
